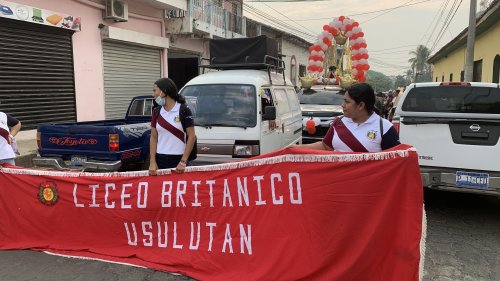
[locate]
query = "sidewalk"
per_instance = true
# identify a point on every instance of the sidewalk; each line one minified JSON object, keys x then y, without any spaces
{"x":26,"y":143}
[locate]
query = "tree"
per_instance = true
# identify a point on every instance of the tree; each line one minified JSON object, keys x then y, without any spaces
{"x":421,"y":69}
{"x":401,"y":81}
{"x":379,"y":81}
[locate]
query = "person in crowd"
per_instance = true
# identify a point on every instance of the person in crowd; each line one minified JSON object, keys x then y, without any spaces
{"x":379,"y":104}
{"x":388,"y":104}
{"x":360,"y":129}
{"x":331,"y":72}
{"x":172,"y":129}
{"x":9,"y":127}
{"x":395,"y":100}
{"x":332,"y":76}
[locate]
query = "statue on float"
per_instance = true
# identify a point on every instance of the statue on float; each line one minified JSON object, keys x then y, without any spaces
{"x":339,"y":56}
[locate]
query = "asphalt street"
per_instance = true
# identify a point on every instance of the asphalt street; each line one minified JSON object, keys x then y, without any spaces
{"x":463,"y":243}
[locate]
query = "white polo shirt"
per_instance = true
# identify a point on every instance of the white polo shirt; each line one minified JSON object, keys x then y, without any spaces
{"x":167,"y":142}
{"x":6,"y":151}
{"x":348,"y":136}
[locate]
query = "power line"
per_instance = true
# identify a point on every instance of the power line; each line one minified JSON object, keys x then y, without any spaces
{"x":434,"y":19}
{"x":446,"y":27}
{"x":270,"y":19}
{"x":399,"y":47}
{"x":372,"y":12}
{"x":288,"y":18}
{"x":390,"y":10}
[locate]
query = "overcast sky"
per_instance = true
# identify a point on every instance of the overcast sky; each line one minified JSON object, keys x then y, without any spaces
{"x":390,"y":34}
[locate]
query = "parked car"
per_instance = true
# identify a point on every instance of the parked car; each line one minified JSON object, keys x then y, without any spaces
{"x":455,"y":128}
{"x":321,"y":105}
{"x":106,"y":145}
{"x":242,"y":113}
{"x":245,"y":106}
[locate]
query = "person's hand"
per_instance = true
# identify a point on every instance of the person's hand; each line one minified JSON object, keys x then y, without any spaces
{"x":153,"y":168}
{"x":11,"y":138}
{"x":180,"y":167}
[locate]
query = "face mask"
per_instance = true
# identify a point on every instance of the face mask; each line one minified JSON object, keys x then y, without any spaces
{"x":160,"y":101}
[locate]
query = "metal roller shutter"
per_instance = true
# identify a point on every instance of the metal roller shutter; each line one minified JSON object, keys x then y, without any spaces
{"x":36,"y":73}
{"x":129,"y":71}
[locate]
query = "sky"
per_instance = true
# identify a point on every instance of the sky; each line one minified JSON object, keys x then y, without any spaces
{"x":391,"y":33}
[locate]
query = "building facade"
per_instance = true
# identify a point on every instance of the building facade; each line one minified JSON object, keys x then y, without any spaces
{"x":81,"y":60}
{"x":449,"y":62}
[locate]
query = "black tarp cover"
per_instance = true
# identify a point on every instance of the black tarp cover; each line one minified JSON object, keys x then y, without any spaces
{"x":234,"y":51}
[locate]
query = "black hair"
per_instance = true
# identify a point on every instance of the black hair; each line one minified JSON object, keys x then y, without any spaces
{"x":332,"y":68}
{"x":363,"y":92}
{"x":168,"y":87}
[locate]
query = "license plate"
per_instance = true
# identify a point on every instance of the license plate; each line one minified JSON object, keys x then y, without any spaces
{"x":475,"y":180}
{"x":78,"y":160}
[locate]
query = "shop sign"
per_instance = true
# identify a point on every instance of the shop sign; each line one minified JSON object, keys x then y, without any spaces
{"x":39,"y":16}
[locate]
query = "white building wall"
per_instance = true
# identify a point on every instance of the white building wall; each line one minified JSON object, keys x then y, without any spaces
{"x":301,"y":53}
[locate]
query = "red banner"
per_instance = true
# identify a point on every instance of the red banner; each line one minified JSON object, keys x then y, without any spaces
{"x":288,"y":215}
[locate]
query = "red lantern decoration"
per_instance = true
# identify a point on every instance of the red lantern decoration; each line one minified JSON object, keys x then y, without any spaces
{"x":326,"y":27}
{"x":311,"y":127}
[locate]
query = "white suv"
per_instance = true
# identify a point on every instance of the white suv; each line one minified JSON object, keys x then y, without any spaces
{"x":455,"y":128}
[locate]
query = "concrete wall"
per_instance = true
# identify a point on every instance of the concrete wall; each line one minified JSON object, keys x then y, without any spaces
{"x":486,"y":48}
{"x":301,"y":54}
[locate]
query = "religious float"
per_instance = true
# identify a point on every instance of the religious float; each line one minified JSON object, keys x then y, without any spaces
{"x":339,"y":55}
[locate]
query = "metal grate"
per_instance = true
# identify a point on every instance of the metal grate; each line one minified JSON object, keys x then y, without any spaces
{"x":129,"y":71}
{"x":36,"y":73}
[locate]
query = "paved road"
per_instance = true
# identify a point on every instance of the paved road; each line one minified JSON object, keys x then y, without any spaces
{"x":463,"y":243}
{"x":463,"y":237}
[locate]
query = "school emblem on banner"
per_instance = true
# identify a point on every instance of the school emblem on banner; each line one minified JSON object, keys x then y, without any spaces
{"x":47,"y":193}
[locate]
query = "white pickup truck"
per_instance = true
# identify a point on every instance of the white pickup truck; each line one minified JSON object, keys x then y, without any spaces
{"x":455,"y":128}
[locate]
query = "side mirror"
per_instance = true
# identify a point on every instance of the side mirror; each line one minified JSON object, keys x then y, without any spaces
{"x":269,"y":113}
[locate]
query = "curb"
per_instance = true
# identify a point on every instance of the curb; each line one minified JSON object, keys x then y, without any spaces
{"x":25,"y":160}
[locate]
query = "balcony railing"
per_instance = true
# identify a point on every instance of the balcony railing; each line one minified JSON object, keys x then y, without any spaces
{"x":205,"y":11}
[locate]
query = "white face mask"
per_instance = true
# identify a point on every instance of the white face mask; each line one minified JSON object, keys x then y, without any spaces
{"x":160,"y":101}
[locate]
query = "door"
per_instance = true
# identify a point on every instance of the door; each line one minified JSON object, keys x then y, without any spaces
{"x":283,"y":110}
{"x":36,"y":73}
{"x":182,"y":67}
{"x":129,"y":71}
{"x":271,"y":132}
{"x":295,"y":122}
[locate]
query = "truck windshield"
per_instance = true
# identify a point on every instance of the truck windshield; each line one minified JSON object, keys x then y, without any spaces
{"x":453,"y":99}
{"x":222,"y":104}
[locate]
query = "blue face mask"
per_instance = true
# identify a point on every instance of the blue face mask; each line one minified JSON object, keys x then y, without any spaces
{"x":160,"y":101}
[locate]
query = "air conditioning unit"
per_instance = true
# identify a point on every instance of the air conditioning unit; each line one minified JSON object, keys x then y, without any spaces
{"x":116,"y":10}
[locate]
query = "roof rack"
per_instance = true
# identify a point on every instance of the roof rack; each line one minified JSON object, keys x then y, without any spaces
{"x":269,"y":63}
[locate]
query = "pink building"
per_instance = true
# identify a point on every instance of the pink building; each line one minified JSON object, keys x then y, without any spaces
{"x":79,"y":60}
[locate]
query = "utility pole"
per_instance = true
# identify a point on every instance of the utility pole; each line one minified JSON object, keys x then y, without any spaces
{"x":471,"y":36}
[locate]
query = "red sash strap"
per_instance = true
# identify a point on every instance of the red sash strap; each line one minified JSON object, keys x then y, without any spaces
{"x":348,"y":138}
{"x":167,"y":126}
{"x":5,"y":134}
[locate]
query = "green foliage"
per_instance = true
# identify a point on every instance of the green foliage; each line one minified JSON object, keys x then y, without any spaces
{"x":379,"y":81}
{"x":402,"y":81}
{"x":421,"y":70}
